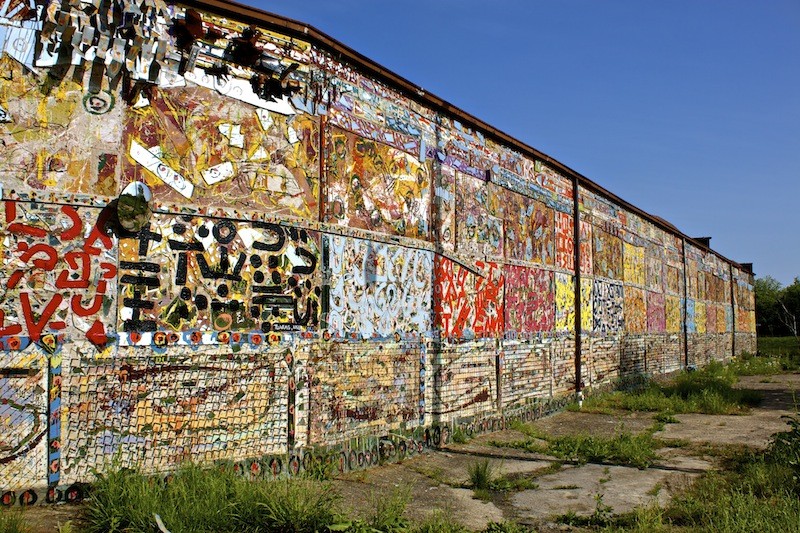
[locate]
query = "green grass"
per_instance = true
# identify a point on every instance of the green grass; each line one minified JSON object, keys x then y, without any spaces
{"x":756,"y":365}
{"x":665,"y":418}
{"x":505,"y":527}
{"x":708,"y":391}
{"x":11,"y":521}
{"x":440,"y":521}
{"x":486,"y":486}
{"x":621,"y":449}
{"x":779,"y":346}
{"x":751,"y":500}
{"x":198,"y":500}
{"x":603,"y":515}
{"x":387,"y":511}
{"x":513,"y":483}
{"x":785,"y":349}
{"x":289,"y":505}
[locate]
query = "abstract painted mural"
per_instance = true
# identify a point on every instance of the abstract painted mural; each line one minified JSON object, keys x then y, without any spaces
{"x":587,"y":305}
{"x":607,"y":304}
{"x":530,"y":305}
{"x":565,"y":241}
{"x":634,"y":264}
{"x":635,"y":310}
{"x":377,"y":290}
{"x":364,"y":389}
{"x":565,"y":303}
{"x":186,"y":143}
{"x":207,"y":404}
{"x":607,"y":256}
{"x":464,"y":381}
{"x":64,"y":141}
{"x":655,"y":276}
{"x":467,"y":304}
{"x":444,"y":221}
{"x":24,"y":414}
{"x":656,"y":313}
{"x":479,"y":218}
{"x":529,"y":230}
{"x":376,"y":187}
{"x":59,"y":272}
{"x":224,"y":241}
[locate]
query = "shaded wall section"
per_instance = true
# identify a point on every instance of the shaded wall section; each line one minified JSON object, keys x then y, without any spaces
{"x":323,"y":264}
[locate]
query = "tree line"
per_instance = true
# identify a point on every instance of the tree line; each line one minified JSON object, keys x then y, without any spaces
{"x":777,"y":307}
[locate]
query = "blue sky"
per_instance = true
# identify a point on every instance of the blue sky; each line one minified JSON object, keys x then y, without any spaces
{"x":689,"y":109}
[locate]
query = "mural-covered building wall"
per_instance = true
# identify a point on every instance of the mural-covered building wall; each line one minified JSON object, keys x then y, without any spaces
{"x":227,"y":237}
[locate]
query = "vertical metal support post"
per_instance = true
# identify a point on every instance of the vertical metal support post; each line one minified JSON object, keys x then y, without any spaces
{"x":685,"y":311}
{"x":433,"y":355}
{"x":576,"y":236}
{"x":733,"y":313}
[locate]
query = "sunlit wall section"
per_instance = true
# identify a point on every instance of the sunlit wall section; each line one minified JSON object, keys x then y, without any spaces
{"x":227,"y":242}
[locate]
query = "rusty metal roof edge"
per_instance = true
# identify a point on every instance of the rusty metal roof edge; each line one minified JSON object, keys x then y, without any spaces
{"x":310,"y":33}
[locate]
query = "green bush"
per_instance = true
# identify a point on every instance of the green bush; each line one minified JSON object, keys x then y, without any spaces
{"x":755,"y":365}
{"x":459,"y":436}
{"x":785,"y":447}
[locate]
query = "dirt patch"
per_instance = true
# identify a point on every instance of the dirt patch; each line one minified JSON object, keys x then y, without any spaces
{"x":429,"y":485}
{"x":47,"y":518}
{"x":597,"y":424}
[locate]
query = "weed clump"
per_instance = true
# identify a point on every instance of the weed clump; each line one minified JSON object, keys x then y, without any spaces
{"x":480,"y":474}
{"x":622,"y":449}
{"x":12,"y":522}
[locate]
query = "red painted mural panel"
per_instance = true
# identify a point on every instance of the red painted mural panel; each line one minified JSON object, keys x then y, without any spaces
{"x":467,"y":305}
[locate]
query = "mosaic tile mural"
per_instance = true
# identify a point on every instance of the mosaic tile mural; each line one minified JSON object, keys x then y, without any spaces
{"x":225,"y":242}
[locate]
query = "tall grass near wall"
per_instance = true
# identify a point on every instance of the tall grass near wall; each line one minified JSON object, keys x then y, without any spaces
{"x":198,"y":500}
{"x":709,"y":390}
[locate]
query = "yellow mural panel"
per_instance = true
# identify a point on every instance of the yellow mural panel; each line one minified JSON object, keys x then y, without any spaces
{"x":634,"y":264}
{"x":587,"y":308}
{"x":565,"y":303}
{"x":673,"y":314}
{"x":700,"y":316}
